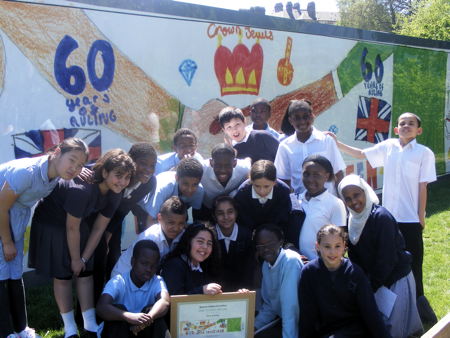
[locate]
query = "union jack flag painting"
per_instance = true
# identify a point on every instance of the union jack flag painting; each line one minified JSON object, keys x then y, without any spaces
{"x":37,"y":142}
{"x":373,"y":119}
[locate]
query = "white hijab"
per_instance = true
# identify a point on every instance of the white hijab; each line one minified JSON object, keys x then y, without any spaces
{"x":357,"y":221}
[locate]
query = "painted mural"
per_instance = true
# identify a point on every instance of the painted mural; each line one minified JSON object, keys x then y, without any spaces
{"x":117,"y":78}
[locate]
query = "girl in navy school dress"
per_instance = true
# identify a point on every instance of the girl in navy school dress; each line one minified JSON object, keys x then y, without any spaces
{"x":263,"y":198}
{"x":377,"y":246}
{"x":335,"y":297}
{"x":23,"y":182}
{"x":62,"y":243}
{"x":237,"y":261}
{"x":193,"y":265}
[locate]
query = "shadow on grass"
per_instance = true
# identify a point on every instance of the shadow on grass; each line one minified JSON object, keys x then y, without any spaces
{"x":438,"y":196}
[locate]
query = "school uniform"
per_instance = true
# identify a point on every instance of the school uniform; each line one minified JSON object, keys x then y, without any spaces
{"x":279,"y":292}
{"x":258,"y":145}
{"x":268,"y":128}
{"x":107,"y":254}
{"x":213,"y":188}
{"x":134,"y":299}
{"x":237,"y":256}
{"x":291,"y":154}
{"x":405,"y":167}
{"x":274,"y":209}
{"x":182,"y":278}
{"x":167,"y":186}
{"x":380,"y":252}
{"x":153,"y":233}
{"x":337,"y":302}
{"x":169,"y":161}
{"x":319,"y":211}
{"x":49,"y":252}
{"x":28,"y":178}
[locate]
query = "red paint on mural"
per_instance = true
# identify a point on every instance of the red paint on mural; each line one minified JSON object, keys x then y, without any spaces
{"x":239,"y":72}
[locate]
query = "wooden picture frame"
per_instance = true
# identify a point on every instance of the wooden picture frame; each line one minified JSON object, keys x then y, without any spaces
{"x":224,"y":315}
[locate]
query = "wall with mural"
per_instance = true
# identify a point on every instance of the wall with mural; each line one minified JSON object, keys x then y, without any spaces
{"x":114,"y":77}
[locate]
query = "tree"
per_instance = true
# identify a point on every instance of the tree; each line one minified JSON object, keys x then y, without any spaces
{"x":380,"y":15}
{"x":364,"y":14}
{"x":430,"y":19}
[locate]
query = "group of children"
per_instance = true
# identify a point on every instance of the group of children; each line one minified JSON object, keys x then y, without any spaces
{"x":267,"y":211}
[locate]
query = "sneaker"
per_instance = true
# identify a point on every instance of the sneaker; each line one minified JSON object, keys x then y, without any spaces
{"x":28,"y":333}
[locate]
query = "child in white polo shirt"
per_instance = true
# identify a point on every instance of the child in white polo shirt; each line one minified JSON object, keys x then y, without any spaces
{"x":306,"y":140}
{"x":166,"y":234}
{"x":408,"y":168}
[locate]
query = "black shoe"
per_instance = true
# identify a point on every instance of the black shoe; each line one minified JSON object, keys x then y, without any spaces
{"x":426,"y":313}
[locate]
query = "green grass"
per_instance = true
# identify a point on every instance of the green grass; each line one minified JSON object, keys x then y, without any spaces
{"x":44,"y":317}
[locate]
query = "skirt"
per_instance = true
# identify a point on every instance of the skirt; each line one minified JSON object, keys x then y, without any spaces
{"x":49,"y":253}
{"x":404,"y":319}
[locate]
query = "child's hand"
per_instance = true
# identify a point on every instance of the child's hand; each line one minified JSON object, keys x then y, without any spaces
{"x":86,"y":175}
{"x":304,"y":259}
{"x":333,"y":135}
{"x":243,"y":290}
{"x":212,"y":289}
{"x":77,"y":266}
{"x":422,"y":221}
{"x":9,"y":251}
{"x":138,"y":319}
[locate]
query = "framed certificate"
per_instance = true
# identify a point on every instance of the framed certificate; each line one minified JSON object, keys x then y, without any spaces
{"x":224,"y":315}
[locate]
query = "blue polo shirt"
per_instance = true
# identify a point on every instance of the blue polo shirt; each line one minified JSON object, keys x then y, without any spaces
{"x":167,"y":186}
{"x":123,"y":291}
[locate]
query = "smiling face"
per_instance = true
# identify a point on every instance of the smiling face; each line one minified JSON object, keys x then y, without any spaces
{"x":314,"y":177}
{"x":116,"y":180}
{"x":235,"y":129}
{"x":225,"y":215}
{"x":331,"y":249}
{"x":69,"y":164}
{"x":260,"y":114}
{"x":145,"y":167}
{"x":187,"y":186}
{"x":172,"y":224}
{"x":144,"y":266}
{"x":407,"y":128}
{"x":223,"y":166}
{"x":354,"y":198}
{"x":263,"y":186}
{"x":201,"y":247}
{"x":268,"y":246}
{"x":302,"y":120}
{"x":186,"y":146}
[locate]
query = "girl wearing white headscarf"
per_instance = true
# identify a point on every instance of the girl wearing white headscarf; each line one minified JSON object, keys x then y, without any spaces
{"x":377,"y":246}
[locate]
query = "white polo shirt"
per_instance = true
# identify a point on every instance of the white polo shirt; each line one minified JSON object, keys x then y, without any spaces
{"x":404,"y":168}
{"x":320,"y":210}
{"x":154,"y":233}
{"x":213,"y":188}
{"x":291,"y":154}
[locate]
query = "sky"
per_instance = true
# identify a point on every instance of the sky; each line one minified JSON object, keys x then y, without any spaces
{"x":321,"y":5}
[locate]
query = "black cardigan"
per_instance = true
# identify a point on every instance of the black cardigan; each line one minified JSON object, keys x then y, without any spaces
{"x":181,"y":279}
{"x":260,"y":145}
{"x":337,"y":302}
{"x":380,"y":251}
{"x":238,"y":264}
{"x":251,"y":213}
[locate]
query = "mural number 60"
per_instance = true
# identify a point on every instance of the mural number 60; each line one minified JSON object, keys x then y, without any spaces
{"x":366,"y":67}
{"x":73,"y":79}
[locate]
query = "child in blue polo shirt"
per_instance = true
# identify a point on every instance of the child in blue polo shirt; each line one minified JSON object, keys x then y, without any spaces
{"x":184,"y":183}
{"x":184,"y":145}
{"x":22,"y":183}
{"x":134,"y":304}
